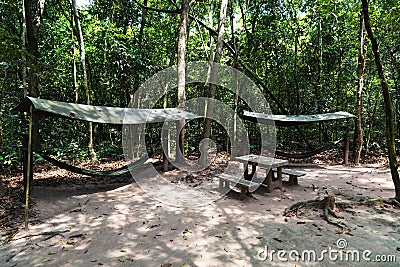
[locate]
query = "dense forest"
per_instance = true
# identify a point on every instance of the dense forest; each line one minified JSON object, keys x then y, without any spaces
{"x":308,"y":57}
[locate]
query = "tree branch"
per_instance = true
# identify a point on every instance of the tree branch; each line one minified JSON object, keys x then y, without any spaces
{"x":174,"y":3}
{"x":259,"y":81}
{"x":252,"y":74}
{"x":66,"y":15}
{"x":176,"y":11}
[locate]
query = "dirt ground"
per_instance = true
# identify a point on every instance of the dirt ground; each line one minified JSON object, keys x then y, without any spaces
{"x":115,"y":223}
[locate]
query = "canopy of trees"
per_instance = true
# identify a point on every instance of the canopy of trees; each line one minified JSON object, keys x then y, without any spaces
{"x":305,"y":55}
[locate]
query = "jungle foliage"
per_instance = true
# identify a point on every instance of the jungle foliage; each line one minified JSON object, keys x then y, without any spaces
{"x":304,"y":52}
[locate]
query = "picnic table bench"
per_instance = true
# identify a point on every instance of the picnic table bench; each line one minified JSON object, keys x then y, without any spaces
{"x":225,"y":181}
{"x":250,"y":181}
{"x":293,"y":175}
{"x":267,"y":163}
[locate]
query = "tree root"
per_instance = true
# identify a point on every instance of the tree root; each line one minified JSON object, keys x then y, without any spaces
{"x":328,"y":205}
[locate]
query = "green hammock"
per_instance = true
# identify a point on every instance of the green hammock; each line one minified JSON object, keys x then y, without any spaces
{"x":309,"y":153}
{"x":111,"y":173}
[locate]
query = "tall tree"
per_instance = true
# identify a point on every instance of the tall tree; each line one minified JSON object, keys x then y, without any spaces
{"x":214,"y":74}
{"x":142,"y":24}
{"x":182,"y":76}
{"x":388,"y":103}
{"x":73,"y":51}
{"x":33,"y":18}
{"x":360,"y":86}
{"x":92,"y":153}
{"x":236,"y":81}
{"x":23,"y":39}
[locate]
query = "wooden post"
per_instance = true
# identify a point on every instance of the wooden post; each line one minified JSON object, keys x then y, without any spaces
{"x":346,"y":148}
{"x":165,"y":147}
{"x":25,"y":142}
{"x":29,"y":166}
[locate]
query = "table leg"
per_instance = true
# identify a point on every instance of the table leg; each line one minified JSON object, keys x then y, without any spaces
{"x":247,"y":175}
{"x":269,"y":181}
{"x":279,"y":177}
{"x":293,"y":180}
{"x":246,"y":170}
{"x":272,"y":182}
{"x":253,"y":171}
{"x":227,"y":185}
{"x":243,"y":192}
{"x":221,"y":184}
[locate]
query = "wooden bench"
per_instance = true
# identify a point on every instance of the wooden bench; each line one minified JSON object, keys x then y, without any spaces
{"x":245,"y":185}
{"x":293,"y":175}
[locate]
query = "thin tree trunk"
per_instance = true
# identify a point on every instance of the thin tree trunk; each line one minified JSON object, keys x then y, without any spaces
{"x":23,"y":39}
{"x":74,"y":80}
{"x":235,"y":150}
{"x":32,"y":30}
{"x":397,"y":86}
{"x":296,"y":73}
{"x":214,"y":76}
{"x":165,"y":133}
{"x":92,"y":154}
{"x":360,"y":86}
{"x":388,"y":104}
{"x":182,"y":77}
{"x":318,"y":87}
{"x":142,"y":24}
{"x":33,"y":16}
{"x":134,"y":101}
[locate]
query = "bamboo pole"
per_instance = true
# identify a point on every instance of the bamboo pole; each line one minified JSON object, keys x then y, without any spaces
{"x":28,"y":168}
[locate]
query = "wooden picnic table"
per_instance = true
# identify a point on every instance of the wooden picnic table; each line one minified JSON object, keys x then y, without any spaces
{"x":264,"y":163}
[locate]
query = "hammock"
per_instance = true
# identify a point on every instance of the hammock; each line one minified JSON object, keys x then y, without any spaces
{"x":309,"y":153}
{"x":294,"y":120}
{"x":111,"y":173}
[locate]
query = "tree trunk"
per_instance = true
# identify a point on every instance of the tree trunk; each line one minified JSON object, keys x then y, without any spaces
{"x":296,"y":73}
{"x":182,"y":77}
{"x":318,"y":87}
{"x":32,"y":30}
{"x":360,"y":85}
{"x":165,"y":133}
{"x":397,"y":86}
{"x":234,"y":150}
{"x":24,"y":66}
{"x":214,"y":77}
{"x":142,"y":24}
{"x":388,"y":104}
{"x":74,"y":80}
{"x":92,"y":154}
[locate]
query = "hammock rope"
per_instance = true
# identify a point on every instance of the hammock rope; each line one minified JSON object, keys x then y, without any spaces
{"x":111,"y":173}
{"x":309,"y":153}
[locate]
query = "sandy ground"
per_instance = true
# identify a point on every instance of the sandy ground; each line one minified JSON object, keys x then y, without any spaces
{"x":118,"y":224}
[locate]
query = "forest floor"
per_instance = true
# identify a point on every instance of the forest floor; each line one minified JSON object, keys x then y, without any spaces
{"x":80,"y":221}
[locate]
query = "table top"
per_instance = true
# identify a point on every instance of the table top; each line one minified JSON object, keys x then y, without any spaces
{"x":262,"y":161}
